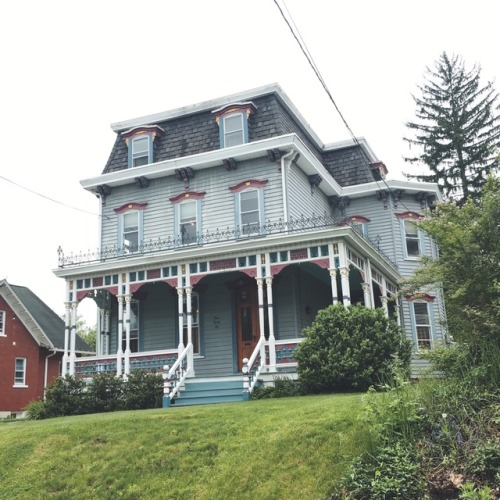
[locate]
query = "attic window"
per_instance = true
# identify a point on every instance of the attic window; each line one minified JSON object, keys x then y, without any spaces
{"x":140,"y":142}
{"x":233,"y":123}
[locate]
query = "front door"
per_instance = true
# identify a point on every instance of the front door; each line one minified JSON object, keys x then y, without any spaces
{"x":247,"y":321}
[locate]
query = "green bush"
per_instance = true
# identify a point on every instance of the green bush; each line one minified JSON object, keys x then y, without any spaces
{"x":142,"y":391}
{"x":66,"y":396}
{"x":350,"y":348}
{"x":36,"y":410}
{"x":283,"y":387}
{"x":105,"y":393}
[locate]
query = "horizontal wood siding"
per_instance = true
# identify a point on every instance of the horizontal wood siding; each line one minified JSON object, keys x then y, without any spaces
{"x":284,"y":302}
{"x":302,"y":201}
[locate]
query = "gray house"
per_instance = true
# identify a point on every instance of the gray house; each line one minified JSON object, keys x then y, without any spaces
{"x":226,"y":225}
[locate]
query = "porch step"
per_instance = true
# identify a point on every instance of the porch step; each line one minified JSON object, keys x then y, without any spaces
{"x":210,"y":391}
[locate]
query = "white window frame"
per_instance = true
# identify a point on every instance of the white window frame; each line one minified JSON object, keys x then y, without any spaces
{"x":411,"y":238}
{"x":195,"y":323}
{"x":241,"y":213}
{"x":20,"y":380}
{"x":3,"y":317}
{"x":138,"y":156}
{"x":422,"y":343}
{"x":237,"y":132}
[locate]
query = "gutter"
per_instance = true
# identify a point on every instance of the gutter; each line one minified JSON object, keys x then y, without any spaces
{"x":54,"y":351}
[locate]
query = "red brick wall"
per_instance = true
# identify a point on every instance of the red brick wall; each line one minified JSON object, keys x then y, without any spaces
{"x":18,"y":343}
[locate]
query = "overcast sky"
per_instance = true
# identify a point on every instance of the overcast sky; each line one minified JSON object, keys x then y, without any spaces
{"x":70,"y":68}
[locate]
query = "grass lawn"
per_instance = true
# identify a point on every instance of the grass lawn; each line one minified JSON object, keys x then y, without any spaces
{"x":266,"y":449}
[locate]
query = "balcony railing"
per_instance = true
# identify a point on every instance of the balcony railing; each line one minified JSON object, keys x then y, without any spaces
{"x":237,"y":233}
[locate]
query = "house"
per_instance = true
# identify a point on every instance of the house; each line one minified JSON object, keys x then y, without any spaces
{"x":225,"y":226}
{"x":31,"y":348}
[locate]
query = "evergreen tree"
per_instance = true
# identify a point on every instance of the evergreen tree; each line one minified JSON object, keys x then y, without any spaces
{"x":457,"y":130}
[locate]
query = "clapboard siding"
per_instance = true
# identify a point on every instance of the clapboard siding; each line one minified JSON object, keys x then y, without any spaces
{"x":302,"y":200}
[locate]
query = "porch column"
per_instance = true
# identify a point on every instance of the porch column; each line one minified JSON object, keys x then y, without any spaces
{"x":383,"y":299}
{"x":180,"y":306}
{"x":346,"y":289}
{"x":333,"y":279}
{"x":260,"y":296}
{"x":72,"y":346}
{"x":398,"y":310}
{"x":67,"y":326}
{"x":128,"y":299}
{"x":366,"y":295}
{"x":369,"y":278}
{"x":119,"y":350}
{"x":99,"y":332}
{"x":270,"y":318}
{"x":189,"y":315}
{"x":105,"y":345}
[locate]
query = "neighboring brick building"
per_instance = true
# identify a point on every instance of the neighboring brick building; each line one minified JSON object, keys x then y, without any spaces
{"x":31,"y":348}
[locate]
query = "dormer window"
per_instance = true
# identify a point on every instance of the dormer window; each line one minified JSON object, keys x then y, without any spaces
{"x":140,"y":142}
{"x":233,"y":123}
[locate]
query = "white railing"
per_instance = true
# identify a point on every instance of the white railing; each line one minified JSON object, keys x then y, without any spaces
{"x":175,"y":376}
{"x":253,"y":366}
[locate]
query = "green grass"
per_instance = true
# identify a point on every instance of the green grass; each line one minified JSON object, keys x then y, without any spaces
{"x":270,"y":449}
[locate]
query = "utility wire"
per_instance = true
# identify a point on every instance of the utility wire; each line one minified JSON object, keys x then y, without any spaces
{"x":47,"y":197}
{"x":296,"y":34}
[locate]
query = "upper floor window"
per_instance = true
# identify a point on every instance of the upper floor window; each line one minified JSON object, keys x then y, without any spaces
{"x":357,"y":222}
{"x":140,"y":142}
{"x":233,"y":123}
{"x":249,"y":206}
{"x":20,"y":372}
{"x":187,"y":217}
{"x":412,"y":236}
{"x":130,"y":226}
{"x":2,"y":323}
{"x":423,"y":328}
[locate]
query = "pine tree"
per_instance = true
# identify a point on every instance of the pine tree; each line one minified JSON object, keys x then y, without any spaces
{"x":457,"y":129}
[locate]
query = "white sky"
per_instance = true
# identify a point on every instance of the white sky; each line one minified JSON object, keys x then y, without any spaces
{"x":70,"y":68}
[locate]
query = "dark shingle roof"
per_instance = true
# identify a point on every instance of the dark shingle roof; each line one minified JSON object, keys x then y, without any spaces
{"x":50,"y":323}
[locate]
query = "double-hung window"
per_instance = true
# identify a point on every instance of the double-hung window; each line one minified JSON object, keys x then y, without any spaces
{"x":2,"y":323}
{"x":233,"y":130}
{"x":130,"y":227}
{"x":134,"y":328}
{"x":412,"y":239}
{"x":188,"y":222}
{"x":423,"y":327}
{"x":140,"y":153}
{"x":20,"y":372}
{"x":249,"y":211}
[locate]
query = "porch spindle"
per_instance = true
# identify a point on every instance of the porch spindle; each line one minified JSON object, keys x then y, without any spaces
{"x":270,"y":316}
{"x":119,"y":350}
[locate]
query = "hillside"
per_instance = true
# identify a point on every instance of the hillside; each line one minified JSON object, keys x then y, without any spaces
{"x":283,"y":448}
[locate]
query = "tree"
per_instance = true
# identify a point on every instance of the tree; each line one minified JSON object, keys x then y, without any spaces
{"x":457,"y":130}
{"x":86,"y":332}
{"x":468,"y":269}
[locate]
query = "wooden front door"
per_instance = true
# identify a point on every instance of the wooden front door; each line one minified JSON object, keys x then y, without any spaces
{"x":247,"y":321}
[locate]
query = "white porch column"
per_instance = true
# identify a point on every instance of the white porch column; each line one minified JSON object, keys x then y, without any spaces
{"x":128,"y":299}
{"x":367,"y":295}
{"x":333,"y":279}
{"x":346,"y":289}
{"x":180,"y":306}
{"x":270,"y":318}
{"x":105,"y":345}
{"x":67,"y":328}
{"x":260,"y":297}
{"x":398,"y":310}
{"x":119,"y":350}
{"x":72,"y":345}
{"x":383,"y":299}
{"x":189,"y":314}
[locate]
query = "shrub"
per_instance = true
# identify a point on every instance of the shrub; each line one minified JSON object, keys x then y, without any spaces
{"x":66,"y":396}
{"x":36,"y":410}
{"x":350,"y":348}
{"x":283,"y":387}
{"x":143,"y":390}
{"x":105,"y":393}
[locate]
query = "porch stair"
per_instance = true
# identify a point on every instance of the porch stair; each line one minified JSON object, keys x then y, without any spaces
{"x":210,"y":390}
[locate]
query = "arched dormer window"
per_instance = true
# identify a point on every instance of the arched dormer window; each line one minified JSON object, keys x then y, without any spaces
{"x":140,"y":144}
{"x":233,"y":123}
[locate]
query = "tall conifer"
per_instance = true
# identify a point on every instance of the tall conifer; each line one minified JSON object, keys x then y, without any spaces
{"x":457,"y":131}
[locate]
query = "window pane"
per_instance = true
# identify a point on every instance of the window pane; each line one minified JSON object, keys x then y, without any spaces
{"x":131,"y":221}
{"x":141,"y":160}
{"x":411,"y":228}
{"x":249,"y":201}
{"x":421,"y":313}
{"x":412,"y":247}
{"x":233,"y":123}
{"x":140,"y":145}
{"x":20,"y":369}
{"x":188,"y":211}
{"x":2,"y":322}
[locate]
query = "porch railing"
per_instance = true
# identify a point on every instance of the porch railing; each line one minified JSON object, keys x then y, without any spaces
{"x":148,"y":361}
{"x":254,"y":365}
{"x":285,"y":350}
{"x":174,"y":377}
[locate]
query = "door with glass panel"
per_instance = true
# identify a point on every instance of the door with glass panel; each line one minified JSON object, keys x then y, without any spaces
{"x":247,"y":321}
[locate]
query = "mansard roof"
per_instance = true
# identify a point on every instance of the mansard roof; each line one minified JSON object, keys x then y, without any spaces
{"x":45,"y":326}
{"x":191,"y":130}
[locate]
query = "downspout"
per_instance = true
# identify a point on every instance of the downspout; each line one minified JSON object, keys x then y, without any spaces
{"x":284,"y":184}
{"x":45,"y":378}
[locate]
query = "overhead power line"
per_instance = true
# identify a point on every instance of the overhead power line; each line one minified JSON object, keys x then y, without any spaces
{"x":296,"y":34}
{"x":48,"y":197}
